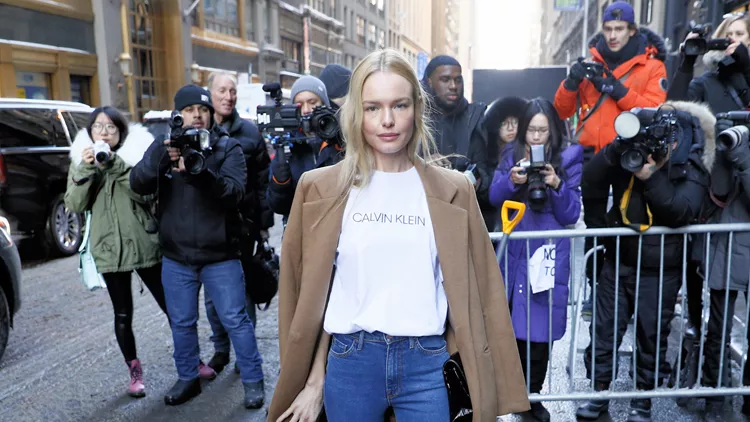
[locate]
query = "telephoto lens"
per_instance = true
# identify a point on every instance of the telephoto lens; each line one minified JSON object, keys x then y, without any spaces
{"x":734,"y":137}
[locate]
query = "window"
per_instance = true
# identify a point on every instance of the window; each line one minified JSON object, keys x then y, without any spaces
{"x":249,"y":33}
{"x":381,"y":39}
{"x":292,"y":55}
{"x":360,"y":30}
{"x":317,"y":5}
{"x":372,"y":34}
{"x":332,"y":6}
{"x":34,"y":85}
{"x":75,"y":121}
{"x":647,"y":11}
{"x":221,"y":16}
{"x":381,"y":5}
{"x":80,"y":89}
{"x":27,"y":127}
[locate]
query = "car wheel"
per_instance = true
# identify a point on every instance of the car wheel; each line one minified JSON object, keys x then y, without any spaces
{"x":64,"y":229}
{"x":4,"y":322}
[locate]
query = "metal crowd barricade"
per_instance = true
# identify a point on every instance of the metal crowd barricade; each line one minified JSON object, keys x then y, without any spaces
{"x":580,"y":388}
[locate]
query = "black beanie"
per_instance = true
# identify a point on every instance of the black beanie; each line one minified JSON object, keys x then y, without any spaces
{"x":336,"y":79}
{"x":190,"y":95}
{"x":437,"y":62}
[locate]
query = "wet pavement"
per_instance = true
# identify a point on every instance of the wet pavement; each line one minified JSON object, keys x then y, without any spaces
{"x":63,"y":364}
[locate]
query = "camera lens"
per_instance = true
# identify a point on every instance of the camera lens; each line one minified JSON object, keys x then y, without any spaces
{"x":101,"y":157}
{"x":632,"y":160}
{"x":733,"y":136}
{"x":194,"y":161}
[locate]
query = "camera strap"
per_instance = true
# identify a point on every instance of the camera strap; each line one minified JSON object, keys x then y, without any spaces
{"x":625,"y":201}
{"x":596,"y":106}
{"x":735,"y":96}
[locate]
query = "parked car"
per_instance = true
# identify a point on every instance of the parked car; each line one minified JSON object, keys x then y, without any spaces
{"x":10,"y":283}
{"x":35,"y":140}
{"x":157,"y":121}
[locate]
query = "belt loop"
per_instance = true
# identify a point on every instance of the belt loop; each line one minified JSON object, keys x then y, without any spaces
{"x":361,"y":340}
{"x":412,"y":342}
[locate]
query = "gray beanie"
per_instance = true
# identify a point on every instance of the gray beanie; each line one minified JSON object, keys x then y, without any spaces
{"x":312,"y":84}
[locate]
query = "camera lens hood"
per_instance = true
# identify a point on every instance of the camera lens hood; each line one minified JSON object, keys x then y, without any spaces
{"x":627,"y":125}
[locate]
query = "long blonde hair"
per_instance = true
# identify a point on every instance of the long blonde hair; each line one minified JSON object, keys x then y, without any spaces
{"x":359,"y":162}
{"x":723,"y":28}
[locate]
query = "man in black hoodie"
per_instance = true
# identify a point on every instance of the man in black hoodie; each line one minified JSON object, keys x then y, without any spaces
{"x":459,"y":128}
{"x":199,"y":238}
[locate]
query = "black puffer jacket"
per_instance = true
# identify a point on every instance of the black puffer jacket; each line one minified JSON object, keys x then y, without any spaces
{"x":674,"y":194}
{"x":254,"y":207}
{"x":199,"y":220}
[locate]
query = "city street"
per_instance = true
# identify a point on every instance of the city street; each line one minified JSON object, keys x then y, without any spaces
{"x":63,"y":363}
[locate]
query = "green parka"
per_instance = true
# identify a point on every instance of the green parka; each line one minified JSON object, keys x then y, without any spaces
{"x":119,"y":241}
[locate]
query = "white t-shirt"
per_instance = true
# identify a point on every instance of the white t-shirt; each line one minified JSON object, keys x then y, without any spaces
{"x":388,"y":276}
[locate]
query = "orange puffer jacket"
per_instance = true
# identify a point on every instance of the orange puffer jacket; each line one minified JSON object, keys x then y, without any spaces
{"x":646,"y":83}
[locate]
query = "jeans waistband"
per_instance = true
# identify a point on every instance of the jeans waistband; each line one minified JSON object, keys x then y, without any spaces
{"x":378,"y":337}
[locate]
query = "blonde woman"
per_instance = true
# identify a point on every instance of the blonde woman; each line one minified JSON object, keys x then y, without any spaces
{"x":401,"y":246}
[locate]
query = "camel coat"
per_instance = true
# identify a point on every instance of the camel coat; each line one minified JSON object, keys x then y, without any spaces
{"x":479,"y":324}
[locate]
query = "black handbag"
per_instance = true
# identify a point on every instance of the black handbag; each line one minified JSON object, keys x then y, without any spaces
{"x":262,"y":275}
{"x":458,"y":389}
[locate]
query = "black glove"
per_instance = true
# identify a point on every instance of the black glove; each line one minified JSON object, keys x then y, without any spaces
{"x":576,"y":75}
{"x":722,"y":125}
{"x":610,"y":85}
{"x":280,"y":168}
{"x":615,"y":149}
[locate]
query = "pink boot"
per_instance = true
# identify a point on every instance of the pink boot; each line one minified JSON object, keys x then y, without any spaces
{"x":136,"y":387}
{"x":206,"y":372}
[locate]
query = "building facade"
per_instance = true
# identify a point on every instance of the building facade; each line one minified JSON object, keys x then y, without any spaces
{"x":445,"y":27}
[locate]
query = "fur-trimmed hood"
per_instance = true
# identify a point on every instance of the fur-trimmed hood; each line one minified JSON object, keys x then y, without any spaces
{"x":708,"y":124}
{"x":652,"y":43}
{"x":712,"y":59}
{"x":131,"y":151}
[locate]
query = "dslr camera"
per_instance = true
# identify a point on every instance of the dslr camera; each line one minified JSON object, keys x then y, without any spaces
{"x":193,"y":143}
{"x":533,"y":168}
{"x":644,"y":132}
{"x":701,"y":45}
{"x":737,"y":135}
{"x":286,"y":125}
{"x":593,"y":69}
{"x":101,"y":151}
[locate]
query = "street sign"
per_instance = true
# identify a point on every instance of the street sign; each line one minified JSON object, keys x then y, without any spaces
{"x":568,"y":5}
{"x":422,"y":60}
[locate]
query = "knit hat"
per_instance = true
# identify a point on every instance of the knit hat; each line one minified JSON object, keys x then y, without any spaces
{"x":311,"y":84}
{"x":190,"y":95}
{"x":437,"y":62}
{"x":619,"y":11}
{"x":336,"y":79}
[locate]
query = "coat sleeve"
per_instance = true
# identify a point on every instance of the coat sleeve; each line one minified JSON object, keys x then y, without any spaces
{"x":654,"y":95}
{"x":479,"y":156}
{"x":280,"y":195}
{"x":83,"y":180}
{"x":502,"y":188}
{"x":511,"y":391}
{"x":566,"y":200}
{"x":676,"y":205}
{"x":696,"y":91}
{"x":680,"y":85}
{"x":257,"y":173}
{"x":565,"y":101}
{"x":291,"y":268}
{"x":155,"y":163}
{"x":227,"y":184}
{"x":120,"y":171}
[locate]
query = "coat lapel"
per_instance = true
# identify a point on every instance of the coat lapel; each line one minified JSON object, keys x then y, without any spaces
{"x":450,"y":225}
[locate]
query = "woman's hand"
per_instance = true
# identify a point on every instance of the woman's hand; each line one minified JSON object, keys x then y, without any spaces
{"x":732,"y":48}
{"x":689,"y":36}
{"x":518,"y":176}
{"x":550,"y":177}
{"x":307,"y":406}
{"x":88,"y":155}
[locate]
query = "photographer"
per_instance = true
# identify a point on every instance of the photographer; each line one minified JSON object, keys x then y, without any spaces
{"x":286,"y":169}
{"x":550,"y":188}
{"x":122,"y":228}
{"x":257,"y":217}
{"x":724,"y":84}
{"x":658,"y":178}
{"x":199,"y":189}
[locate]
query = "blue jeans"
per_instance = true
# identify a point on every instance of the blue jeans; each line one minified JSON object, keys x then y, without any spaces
{"x":223,"y":281}
{"x":219,"y":334}
{"x":368,"y":372}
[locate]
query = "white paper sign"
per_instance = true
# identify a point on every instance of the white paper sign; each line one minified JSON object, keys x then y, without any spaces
{"x":542,"y":269}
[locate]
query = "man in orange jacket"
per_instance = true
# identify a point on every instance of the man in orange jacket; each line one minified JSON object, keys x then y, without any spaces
{"x":635,"y":77}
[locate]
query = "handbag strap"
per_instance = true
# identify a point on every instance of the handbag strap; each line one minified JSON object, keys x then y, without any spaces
{"x":598,"y":104}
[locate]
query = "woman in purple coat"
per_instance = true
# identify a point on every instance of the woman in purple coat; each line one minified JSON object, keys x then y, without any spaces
{"x":559,"y":180}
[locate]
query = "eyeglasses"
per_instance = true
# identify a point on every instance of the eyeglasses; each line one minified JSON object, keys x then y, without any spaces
{"x":100,"y":128}
{"x":509,"y":123}
{"x":539,"y":130}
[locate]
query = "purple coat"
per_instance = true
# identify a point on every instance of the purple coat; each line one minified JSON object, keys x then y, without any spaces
{"x":563,"y":208}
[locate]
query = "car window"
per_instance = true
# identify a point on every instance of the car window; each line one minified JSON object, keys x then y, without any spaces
{"x":157,"y":127}
{"x":81,"y":118}
{"x":27,"y":128}
{"x":71,"y":125}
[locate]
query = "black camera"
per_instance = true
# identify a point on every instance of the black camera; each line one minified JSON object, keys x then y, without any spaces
{"x":593,"y":69}
{"x":322,"y":122}
{"x":701,"y":45}
{"x":644,"y":132}
{"x":734,"y":136}
{"x":191,"y":142}
{"x":533,"y":168}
